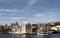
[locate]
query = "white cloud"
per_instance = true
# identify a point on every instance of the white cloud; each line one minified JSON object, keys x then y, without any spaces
{"x":12,"y":18}
{"x":7,"y":1}
{"x":29,"y":4}
{"x":26,"y":8}
{"x":39,"y":15}
{"x":45,"y":17}
{"x":11,"y":10}
{"x":52,"y":13}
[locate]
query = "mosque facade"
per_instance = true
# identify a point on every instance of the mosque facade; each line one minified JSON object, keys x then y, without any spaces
{"x":24,"y":28}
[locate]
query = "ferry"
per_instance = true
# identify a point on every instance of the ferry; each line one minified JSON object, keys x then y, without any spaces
{"x":42,"y":31}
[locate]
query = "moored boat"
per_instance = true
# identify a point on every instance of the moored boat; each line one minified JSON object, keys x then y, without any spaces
{"x":42,"y":31}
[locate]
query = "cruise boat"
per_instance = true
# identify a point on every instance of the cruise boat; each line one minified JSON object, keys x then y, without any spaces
{"x":42,"y":31}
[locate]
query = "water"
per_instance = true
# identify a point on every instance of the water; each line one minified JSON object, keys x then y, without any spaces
{"x":28,"y":36}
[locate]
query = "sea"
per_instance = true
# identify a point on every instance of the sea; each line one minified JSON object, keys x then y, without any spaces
{"x":29,"y":36}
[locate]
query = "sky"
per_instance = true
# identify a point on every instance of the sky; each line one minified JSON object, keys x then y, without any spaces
{"x":36,"y":11}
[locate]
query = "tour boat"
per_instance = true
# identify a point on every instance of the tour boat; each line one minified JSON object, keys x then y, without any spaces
{"x":41,"y":31}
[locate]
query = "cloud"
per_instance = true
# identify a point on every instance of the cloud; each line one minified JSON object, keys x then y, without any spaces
{"x":29,"y":4}
{"x":14,"y":18}
{"x":47,"y":15}
{"x":10,"y":10}
{"x":39,"y":15}
{"x":52,"y":13}
{"x":10,"y":18}
{"x":7,"y":1}
{"x":50,"y":16}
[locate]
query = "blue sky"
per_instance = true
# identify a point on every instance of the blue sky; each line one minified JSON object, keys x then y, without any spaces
{"x":38,"y":11}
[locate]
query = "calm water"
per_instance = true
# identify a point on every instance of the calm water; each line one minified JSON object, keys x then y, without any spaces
{"x":28,"y":36}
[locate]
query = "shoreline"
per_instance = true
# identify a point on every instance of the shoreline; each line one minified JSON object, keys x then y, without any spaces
{"x":18,"y":33}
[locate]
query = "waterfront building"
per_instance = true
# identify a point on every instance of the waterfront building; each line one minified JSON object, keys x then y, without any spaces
{"x":56,"y":28}
{"x":15,"y":30}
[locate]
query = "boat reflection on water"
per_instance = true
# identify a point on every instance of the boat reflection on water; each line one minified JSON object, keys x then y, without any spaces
{"x":41,"y":36}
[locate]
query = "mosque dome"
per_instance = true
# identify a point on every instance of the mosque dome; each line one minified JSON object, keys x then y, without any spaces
{"x":27,"y":22}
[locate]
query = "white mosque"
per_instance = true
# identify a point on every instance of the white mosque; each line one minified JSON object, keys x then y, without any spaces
{"x":24,"y":28}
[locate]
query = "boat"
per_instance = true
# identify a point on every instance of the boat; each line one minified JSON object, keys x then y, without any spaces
{"x":42,"y":31}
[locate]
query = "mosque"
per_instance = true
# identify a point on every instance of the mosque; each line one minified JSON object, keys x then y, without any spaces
{"x":24,"y":28}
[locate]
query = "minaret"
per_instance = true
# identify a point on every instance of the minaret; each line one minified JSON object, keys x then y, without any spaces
{"x":21,"y":25}
{"x":21,"y":20}
{"x":26,"y":21}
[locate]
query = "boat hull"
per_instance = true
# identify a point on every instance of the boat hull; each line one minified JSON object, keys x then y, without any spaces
{"x":41,"y":34}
